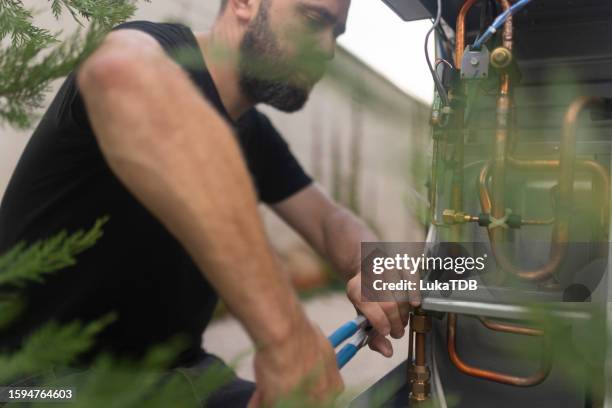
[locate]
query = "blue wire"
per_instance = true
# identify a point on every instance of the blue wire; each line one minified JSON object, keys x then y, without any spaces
{"x":498,"y":23}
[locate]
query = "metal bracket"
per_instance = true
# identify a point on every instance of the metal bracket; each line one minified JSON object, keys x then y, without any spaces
{"x":475,"y":64}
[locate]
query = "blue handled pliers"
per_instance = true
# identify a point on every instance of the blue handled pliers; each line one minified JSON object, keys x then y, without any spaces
{"x":356,"y":332}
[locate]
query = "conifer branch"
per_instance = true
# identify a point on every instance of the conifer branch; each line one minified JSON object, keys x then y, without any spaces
{"x":26,"y":264}
{"x":34,"y":57}
{"x":49,"y":347}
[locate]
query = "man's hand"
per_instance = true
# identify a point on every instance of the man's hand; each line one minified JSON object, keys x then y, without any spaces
{"x":304,"y":363}
{"x":386,"y":318}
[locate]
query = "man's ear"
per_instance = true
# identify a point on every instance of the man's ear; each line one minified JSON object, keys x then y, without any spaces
{"x":244,"y":10}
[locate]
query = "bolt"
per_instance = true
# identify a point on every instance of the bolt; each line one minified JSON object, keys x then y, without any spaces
{"x":474,"y":61}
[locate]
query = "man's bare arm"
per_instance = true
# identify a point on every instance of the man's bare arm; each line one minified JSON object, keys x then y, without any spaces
{"x":336,"y":234}
{"x":332,"y":230}
{"x":180,"y":159}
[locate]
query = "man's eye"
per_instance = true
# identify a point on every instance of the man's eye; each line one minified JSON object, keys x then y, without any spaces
{"x":315,"y":22}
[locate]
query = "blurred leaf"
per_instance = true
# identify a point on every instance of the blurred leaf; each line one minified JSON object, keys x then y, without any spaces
{"x":50,"y":346}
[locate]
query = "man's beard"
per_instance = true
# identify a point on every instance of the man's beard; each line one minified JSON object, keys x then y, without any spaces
{"x":266,"y":75}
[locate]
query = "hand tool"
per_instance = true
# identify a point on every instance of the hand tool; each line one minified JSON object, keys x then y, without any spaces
{"x":355,"y":332}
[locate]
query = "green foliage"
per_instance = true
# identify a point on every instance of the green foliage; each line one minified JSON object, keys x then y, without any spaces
{"x":11,"y":306}
{"x":49,"y":347}
{"x":122,"y":383}
{"x":21,"y":265}
{"x":34,"y":56}
{"x":47,"y":354}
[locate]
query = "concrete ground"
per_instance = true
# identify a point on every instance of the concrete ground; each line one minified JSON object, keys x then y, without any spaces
{"x":227,"y":339}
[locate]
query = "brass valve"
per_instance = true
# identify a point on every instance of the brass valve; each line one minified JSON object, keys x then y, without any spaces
{"x":452,"y":217}
{"x":501,"y":58}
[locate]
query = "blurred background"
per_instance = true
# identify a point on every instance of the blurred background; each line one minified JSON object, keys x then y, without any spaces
{"x":372,"y":162}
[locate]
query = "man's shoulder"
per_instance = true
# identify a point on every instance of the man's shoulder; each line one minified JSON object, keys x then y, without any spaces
{"x":151,"y":26}
{"x":180,"y":45}
{"x":171,"y":36}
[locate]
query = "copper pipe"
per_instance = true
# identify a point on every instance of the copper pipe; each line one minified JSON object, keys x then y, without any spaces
{"x":457,"y":182}
{"x":460,"y":32}
{"x":499,"y":159}
{"x":601,"y":181}
{"x":507,"y":35}
{"x":410,"y":344}
{"x":503,"y":116}
{"x":566,"y":175}
{"x":501,"y":135}
{"x":509,"y":328}
{"x":503,"y":113}
{"x":483,"y":190}
{"x":532,"y":380}
{"x":566,"y":166}
{"x":419,"y":345}
{"x":418,"y":372}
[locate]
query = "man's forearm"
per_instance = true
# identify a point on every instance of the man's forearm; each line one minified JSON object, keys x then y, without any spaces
{"x":343,"y":233}
{"x":179,"y":158}
{"x":332,"y":230}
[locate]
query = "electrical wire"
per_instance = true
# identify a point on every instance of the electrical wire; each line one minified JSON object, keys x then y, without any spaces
{"x":499,"y":22}
{"x":443,"y":61}
{"x":447,"y":47}
{"x":436,"y":78}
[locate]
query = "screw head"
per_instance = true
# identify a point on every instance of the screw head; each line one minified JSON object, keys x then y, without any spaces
{"x":474,"y":61}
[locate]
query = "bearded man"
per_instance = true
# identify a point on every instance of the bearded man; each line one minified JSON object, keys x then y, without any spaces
{"x":158,"y":130}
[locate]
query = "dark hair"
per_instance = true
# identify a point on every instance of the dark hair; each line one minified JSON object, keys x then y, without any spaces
{"x":223,"y":4}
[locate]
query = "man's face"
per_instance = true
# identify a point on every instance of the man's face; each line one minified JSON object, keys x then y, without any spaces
{"x":286,"y":48}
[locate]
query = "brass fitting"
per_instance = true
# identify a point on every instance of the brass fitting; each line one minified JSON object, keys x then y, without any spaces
{"x":501,"y":58}
{"x":420,"y":323}
{"x":420,"y":387}
{"x":418,"y":372}
{"x":452,"y":217}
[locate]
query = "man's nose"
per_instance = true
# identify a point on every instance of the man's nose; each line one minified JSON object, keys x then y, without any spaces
{"x":328,"y":47}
